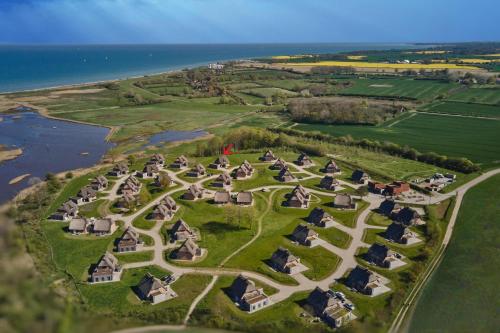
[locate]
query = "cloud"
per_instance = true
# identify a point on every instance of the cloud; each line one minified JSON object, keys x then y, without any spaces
{"x":219,"y":21}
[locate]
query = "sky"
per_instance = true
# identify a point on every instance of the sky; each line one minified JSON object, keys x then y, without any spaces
{"x":246,"y":21}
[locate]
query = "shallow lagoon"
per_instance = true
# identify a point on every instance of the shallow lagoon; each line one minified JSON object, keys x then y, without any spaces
{"x":48,"y":145}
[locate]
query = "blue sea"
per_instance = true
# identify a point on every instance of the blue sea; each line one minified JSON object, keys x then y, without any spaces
{"x":37,"y":66}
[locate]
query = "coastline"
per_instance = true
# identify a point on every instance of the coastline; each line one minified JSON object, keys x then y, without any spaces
{"x":9,"y":154}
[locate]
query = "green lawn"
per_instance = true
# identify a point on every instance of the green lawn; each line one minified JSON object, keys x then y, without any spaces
{"x":487,"y":95}
{"x":216,"y":310}
{"x":118,"y":299}
{"x":464,"y":109}
{"x":409,"y":88}
{"x":465,"y":286}
{"x":98,"y":208}
{"x":475,"y":139}
{"x":134,"y":256}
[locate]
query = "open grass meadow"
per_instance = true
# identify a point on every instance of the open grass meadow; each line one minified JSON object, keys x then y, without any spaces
{"x":476,"y":139}
{"x":118,"y":299}
{"x":398,"y":88}
{"x":465,"y":286}
{"x":483,"y":95}
{"x":464,"y":109}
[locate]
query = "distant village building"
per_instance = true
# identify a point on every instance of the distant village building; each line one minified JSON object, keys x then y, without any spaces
{"x":180,"y":162}
{"x":329,"y":183}
{"x":181,"y":231}
{"x":169,"y":202}
{"x":149,"y":171}
{"x":299,"y":198}
{"x":131,"y":185}
{"x":376,"y":187}
{"x":157,"y":159}
{"x":126,"y":201}
{"x":407,"y":216}
{"x":194,"y":192}
{"x":162,"y":213}
{"x":248,"y":297}
{"x":79,"y":226}
{"x":197,"y":171}
{"x":323,"y":304}
{"x":216,"y":66}
{"x":399,"y":233}
{"x":245,"y":170}
{"x":106,"y":270}
{"x":223,"y":180}
{"x":382,"y":256}
{"x":344,"y":201}
{"x":321,"y":218}
{"x":268,"y":156}
{"x":85,"y":195}
{"x":99,"y":183}
{"x":286,"y":176}
{"x":280,"y":164}
{"x":304,"y":160}
{"x":66,"y":212}
{"x":222,"y":162}
{"x":189,"y":250}
{"x":389,"y":207}
{"x":360,"y":177}
{"x":222,"y":197}
{"x":129,"y":241}
{"x":244,"y":198}
{"x":364,"y":281}
{"x":331,"y":167}
{"x":397,"y":188}
{"x":103,"y":226}
{"x":120,"y":169}
{"x":306,"y":236}
{"x":284,"y":261}
{"x":153,"y":290}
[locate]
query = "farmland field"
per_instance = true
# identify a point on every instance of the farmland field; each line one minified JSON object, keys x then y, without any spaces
{"x":465,"y":286}
{"x":476,"y":139}
{"x":408,"y":88}
{"x":268,"y":92}
{"x":362,"y":64}
{"x":477,"y":95}
{"x":464,"y":109}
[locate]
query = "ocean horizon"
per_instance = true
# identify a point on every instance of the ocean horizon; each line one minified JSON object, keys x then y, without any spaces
{"x":30,"y":67}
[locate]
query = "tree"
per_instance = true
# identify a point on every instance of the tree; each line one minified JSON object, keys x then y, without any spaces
{"x":164,"y":179}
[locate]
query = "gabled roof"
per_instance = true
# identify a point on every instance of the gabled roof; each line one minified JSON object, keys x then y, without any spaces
{"x":108,"y":261}
{"x":224,"y":177}
{"x":103,"y":225}
{"x":101,"y":180}
{"x":78,"y":224}
{"x":320,"y":300}
{"x":222,"y":159}
{"x":157,"y":158}
{"x":169,"y":202}
{"x":361,"y":275}
{"x":318,"y":214}
{"x":122,"y":167}
{"x":388,"y":206}
{"x":68,"y":207}
{"x":329,"y":180}
{"x":396,"y":231}
{"x":189,"y":246}
{"x":162,"y":210}
{"x":342,"y":199}
{"x":244,"y":197}
{"x":150,"y":285}
{"x":303,"y":232}
{"x":357,"y":175}
{"x":242,"y":286}
{"x":130,"y":234}
{"x":222,"y":196}
{"x":285,"y":172}
{"x":151,"y":168}
{"x":181,"y":226}
{"x":279,"y":163}
{"x":269,"y":153}
{"x":303,"y":157}
{"x":300,"y":189}
{"x":87,"y":192}
{"x":331,"y":165}
{"x":380,"y":251}
{"x":198,"y":168}
{"x":181,"y":159}
{"x":195,"y":190}
{"x":406,"y":216}
{"x":283,"y":256}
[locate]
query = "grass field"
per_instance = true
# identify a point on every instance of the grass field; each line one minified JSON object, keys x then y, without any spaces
{"x":407,"y":88}
{"x":476,"y":139}
{"x":488,"y":95}
{"x":465,"y":286}
{"x":464,"y":109}
{"x":268,"y":92}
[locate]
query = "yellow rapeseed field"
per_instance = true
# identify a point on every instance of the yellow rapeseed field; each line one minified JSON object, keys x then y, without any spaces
{"x":492,"y":55}
{"x":428,"y":52}
{"x":361,"y":64}
{"x":287,"y":57}
{"x":355,"y":57}
{"x":476,"y":61}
